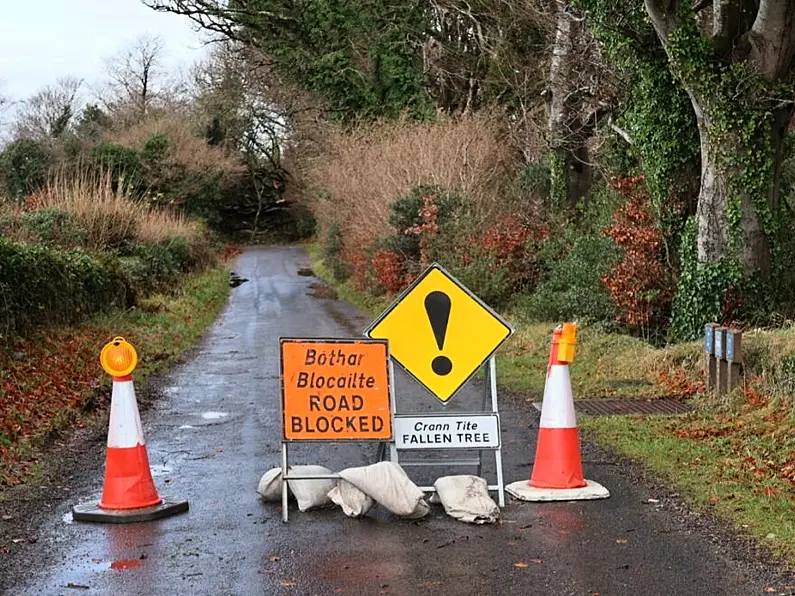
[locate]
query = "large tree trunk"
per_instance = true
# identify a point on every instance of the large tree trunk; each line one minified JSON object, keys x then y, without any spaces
{"x":571,"y":173}
{"x":761,"y":34}
{"x":568,"y":120}
{"x":714,"y":237}
{"x":711,"y":211}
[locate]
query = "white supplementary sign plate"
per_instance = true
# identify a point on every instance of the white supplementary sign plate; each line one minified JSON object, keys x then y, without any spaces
{"x":447,"y":432}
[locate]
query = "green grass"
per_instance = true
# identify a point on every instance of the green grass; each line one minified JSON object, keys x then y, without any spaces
{"x":166,"y":326}
{"x":372,"y":305}
{"x":710,"y":474}
{"x":605,"y":365}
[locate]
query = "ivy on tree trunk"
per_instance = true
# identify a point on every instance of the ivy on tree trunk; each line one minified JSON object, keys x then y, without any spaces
{"x":738,"y":77}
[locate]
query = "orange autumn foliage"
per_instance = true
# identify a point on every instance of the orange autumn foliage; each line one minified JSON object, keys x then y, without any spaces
{"x":641,"y":285}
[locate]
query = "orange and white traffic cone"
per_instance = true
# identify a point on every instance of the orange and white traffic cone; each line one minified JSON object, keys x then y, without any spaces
{"x":129,"y":492}
{"x":557,"y":470}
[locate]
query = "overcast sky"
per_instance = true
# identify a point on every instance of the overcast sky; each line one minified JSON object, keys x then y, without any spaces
{"x":42,"y":40}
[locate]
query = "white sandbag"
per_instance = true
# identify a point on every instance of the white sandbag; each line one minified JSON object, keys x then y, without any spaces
{"x":466,"y":498}
{"x":311,"y":493}
{"x":270,"y":485}
{"x":353,"y":501}
{"x":387,"y":483}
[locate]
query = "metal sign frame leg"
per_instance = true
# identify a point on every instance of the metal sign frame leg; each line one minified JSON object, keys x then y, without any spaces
{"x":293,"y":476}
{"x":393,"y":453}
{"x":285,"y":512}
{"x":489,"y":403}
{"x":491,"y":382}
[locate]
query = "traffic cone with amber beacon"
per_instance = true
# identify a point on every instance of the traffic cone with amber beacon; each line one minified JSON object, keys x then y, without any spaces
{"x":557,"y":470}
{"x":129,"y":492}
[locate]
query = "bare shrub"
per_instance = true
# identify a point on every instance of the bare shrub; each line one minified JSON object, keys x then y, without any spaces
{"x":109,"y":217}
{"x":156,"y":225}
{"x":187,"y":150}
{"x":358,"y":175}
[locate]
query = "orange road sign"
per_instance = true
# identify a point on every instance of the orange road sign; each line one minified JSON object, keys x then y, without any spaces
{"x":335,"y":389}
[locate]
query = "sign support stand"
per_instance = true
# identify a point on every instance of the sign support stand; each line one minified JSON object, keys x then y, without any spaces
{"x":333,"y":390}
{"x":286,"y":477}
{"x":489,"y":408}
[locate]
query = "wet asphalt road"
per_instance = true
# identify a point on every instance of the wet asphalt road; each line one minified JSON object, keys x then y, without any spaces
{"x":217,"y":430}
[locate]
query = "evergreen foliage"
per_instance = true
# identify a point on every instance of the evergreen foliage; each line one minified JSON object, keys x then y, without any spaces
{"x":23,"y":167}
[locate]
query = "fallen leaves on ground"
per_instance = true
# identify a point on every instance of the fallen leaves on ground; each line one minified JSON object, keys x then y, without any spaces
{"x":45,"y":380}
{"x":523,"y":565}
{"x":51,"y":379}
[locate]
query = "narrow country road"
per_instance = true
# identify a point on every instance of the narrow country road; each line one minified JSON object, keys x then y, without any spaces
{"x":216,"y":430}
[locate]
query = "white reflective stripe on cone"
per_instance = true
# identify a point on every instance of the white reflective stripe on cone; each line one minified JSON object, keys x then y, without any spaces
{"x":557,"y":410}
{"x":124,"y":429}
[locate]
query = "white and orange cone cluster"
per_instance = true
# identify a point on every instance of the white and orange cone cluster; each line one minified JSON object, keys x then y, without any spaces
{"x":557,"y":470}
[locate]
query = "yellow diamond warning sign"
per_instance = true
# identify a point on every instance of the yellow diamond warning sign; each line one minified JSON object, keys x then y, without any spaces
{"x":440,"y":332}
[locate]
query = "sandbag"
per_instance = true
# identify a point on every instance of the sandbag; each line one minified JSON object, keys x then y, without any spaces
{"x":353,"y":501}
{"x":311,"y":493}
{"x":466,"y":498}
{"x":270,"y":485}
{"x":387,"y":483}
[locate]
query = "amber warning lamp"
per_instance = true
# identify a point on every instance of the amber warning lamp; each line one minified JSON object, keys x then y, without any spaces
{"x":566,"y":338}
{"x":118,"y":357}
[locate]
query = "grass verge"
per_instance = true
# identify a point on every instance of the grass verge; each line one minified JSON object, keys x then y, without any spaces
{"x":346,"y":290}
{"x":720,"y":464}
{"x":607,"y":365}
{"x":51,"y":379}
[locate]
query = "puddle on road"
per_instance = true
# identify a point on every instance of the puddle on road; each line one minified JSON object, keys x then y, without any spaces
{"x":125,"y":564}
{"x":186,"y":426}
{"x":214,"y":415}
{"x":117,"y":565}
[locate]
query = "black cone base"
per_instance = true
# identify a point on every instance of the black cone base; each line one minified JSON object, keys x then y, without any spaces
{"x":91,"y":512}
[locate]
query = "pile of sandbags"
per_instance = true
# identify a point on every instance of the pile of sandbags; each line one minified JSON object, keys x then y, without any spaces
{"x":357,"y":490}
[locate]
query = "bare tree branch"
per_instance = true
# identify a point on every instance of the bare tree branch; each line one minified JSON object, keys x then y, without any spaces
{"x":49,"y":112}
{"x":136,"y":74}
{"x":622,"y":133}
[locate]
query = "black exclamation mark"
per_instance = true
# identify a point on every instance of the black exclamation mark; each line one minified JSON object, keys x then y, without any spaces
{"x":437,"y":305}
